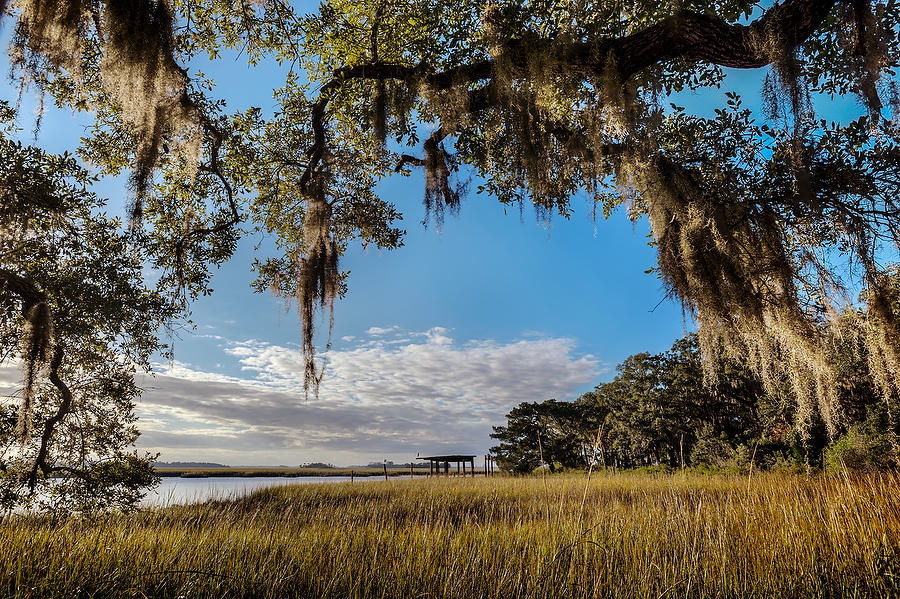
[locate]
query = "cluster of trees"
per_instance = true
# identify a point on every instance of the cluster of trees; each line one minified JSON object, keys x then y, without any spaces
{"x":659,"y":411}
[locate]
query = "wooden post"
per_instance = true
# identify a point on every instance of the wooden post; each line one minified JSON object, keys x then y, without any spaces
{"x":430,"y":467}
{"x":384,"y":465}
{"x":464,"y":468}
{"x":351,"y":476}
{"x":472,"y":463}
{"x":410,"y":470}
{"x":447,"y":468}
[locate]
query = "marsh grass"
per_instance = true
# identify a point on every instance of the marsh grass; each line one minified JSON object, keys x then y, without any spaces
{"x":629,"y":536}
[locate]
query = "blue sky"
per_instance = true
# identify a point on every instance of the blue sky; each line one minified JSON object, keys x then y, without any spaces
{"x":434,"y":343}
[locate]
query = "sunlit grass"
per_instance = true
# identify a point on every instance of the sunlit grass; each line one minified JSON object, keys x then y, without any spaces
{"x":628,"y":536}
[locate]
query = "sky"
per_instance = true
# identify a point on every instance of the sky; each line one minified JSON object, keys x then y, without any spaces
{"x":433,"y":344}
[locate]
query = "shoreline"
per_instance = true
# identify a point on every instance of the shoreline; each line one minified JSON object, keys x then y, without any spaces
{"x":285,"y":472}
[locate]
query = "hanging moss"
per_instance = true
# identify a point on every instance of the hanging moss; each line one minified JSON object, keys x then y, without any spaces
{"x":883,"y":332}
{"x":318,"y":276}
{"x":379,"y":110}
{"x":37,"y":342}
{"x":440,"y":194}
{"x":873,"y":57}
{"x":138,"y":70}
{"x":53,"y":29}
{"x":730,"y":266}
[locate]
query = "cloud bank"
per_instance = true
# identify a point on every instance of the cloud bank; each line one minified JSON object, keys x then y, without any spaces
{"x":394,"y":394}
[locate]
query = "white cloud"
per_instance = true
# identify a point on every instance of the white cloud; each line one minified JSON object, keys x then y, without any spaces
{"x":10,"y":379}
{"x":379,"y":331}
{"x":377,"y":400}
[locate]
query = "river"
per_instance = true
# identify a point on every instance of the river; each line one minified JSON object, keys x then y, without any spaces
{"x":175,"y":490}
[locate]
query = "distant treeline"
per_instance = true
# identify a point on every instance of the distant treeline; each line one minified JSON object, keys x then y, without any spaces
{"x":188,"y":465}
{"x":657,"y":412}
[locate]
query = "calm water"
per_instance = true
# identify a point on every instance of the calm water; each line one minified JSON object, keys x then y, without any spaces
{"x":173,"y":490}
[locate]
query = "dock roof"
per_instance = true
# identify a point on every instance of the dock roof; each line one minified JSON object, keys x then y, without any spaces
{"x":448,"y":458}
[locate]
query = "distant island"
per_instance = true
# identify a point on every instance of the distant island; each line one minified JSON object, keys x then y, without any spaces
{"x":307,"y":465}
{"x":189,"y":465}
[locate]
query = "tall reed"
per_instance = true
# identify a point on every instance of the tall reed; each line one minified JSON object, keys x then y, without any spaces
{"x":628,"y":536}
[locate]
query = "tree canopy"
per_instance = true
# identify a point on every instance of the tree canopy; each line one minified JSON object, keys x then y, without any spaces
{"x":550,"y":433}
{"x":766,"y":227}
{"x":658,"y":412}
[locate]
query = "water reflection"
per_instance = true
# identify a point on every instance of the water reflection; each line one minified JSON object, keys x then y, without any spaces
{"x":175,"y":490}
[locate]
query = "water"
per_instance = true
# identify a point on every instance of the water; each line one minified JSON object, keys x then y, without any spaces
{"x":175,"y":490}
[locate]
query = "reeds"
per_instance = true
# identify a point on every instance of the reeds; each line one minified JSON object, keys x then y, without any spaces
{"x":632,"y":536}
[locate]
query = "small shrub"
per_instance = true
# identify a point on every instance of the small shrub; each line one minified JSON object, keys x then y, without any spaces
{"x":860,"y":449}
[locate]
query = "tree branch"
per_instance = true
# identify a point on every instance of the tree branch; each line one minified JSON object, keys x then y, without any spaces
{"x":686,"y":35}
{"x":40,"y":462}
{"x":29,"y":293}
{"x":698,"y":37}
{"x":213,"y":168}
{"x":408,"y":159}
{"x":31,"y":296}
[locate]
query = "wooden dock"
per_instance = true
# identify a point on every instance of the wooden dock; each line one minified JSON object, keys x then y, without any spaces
{"x":440,"y":464}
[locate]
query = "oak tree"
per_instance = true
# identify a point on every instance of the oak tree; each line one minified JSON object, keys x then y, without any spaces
{"x":77,"y":316}
{"x":541,"y":435}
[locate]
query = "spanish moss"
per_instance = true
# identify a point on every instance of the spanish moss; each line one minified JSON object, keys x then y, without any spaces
{"x":440,"y":194}
{"x":319,"y":279}
{"x":731,"y":268}
{"x":137,"y":69}
{"x":37,"y":343}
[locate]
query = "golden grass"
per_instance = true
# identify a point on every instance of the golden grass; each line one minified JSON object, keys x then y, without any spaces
{"x":628,"y":536}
